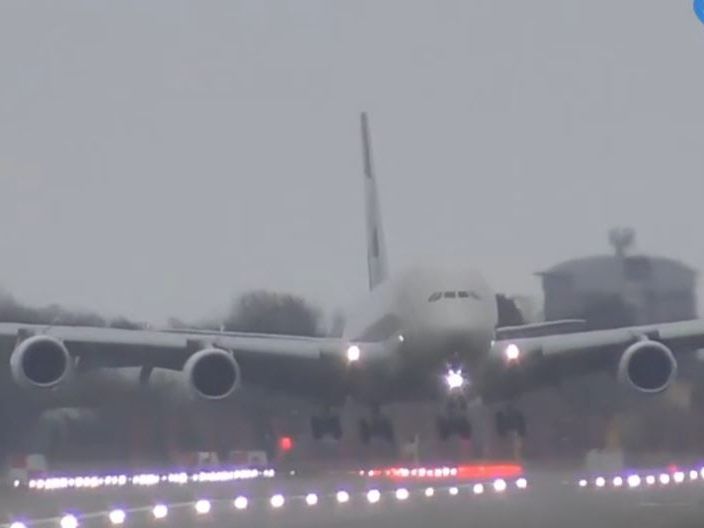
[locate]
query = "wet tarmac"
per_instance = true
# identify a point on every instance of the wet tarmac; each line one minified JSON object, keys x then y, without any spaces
{"x":348,"y":500}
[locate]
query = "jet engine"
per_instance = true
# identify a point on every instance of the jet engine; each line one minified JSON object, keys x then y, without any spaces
{"x":647,"y":366}
{"x":41,"y":361}
{"x":212,"y":374}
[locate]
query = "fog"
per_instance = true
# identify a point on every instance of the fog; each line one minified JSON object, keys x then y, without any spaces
{"x":156,"y":157}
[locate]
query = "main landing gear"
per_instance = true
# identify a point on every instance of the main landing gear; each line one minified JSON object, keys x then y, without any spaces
{"x":455,"y":420}
{"x":377,"y":425}
{"x":510,"y":420}
{"x":324,"y":425}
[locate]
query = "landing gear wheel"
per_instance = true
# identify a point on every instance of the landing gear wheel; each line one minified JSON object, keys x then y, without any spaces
{"x":448,"y":426}
{"x":501,"y":424}
{"x":510,"y":420}
{"x":442,"y":427}
{"x":321,"y":426}
{"x":315,"y":428}
{"x":463,"y":428}
{"x":365,"y":433}
{"x":379,"y":426}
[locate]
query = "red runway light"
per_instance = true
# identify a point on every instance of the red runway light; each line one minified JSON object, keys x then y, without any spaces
{"x":285,"y":443}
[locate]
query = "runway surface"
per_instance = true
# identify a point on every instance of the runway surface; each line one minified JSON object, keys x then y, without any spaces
{"x":544,"y":499}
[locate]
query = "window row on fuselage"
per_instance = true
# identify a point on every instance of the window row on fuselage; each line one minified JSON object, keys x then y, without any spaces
{"x":462,"y":294}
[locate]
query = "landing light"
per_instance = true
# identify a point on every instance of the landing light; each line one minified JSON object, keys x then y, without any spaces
{"x":478,"y":489}
{"x":429,"y":492}
{"x":512,"y":352}
{"x":277,"y":501}
{"x":353,"y":353}
{"x":454,"y":491}
{"x":454,"y":379}
{"x":241,"y":503}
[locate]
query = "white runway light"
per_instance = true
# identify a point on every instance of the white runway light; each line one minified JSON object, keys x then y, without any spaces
{"x":402,"y":494}
{"x":429,"y":492}
{"x":478,"y":489}
{"x":678,"y":477}
{"x":203,"y":507}
{"x":650,"y":480}
{"x":693,"y":475}
{"x":633,"y":481}
{"x":69,"y":521}
{"x":342,"y":497}
{"x":277,"y":501}
{"x":499,"y":485}
{"x":453,"y":491}
{"x":311,"y":499}
{"x":600,"y":482}
{"x":521,"y":483}
{"x":160,"y":511}
{"x":117,"y":517}
{"x":664,"y":479}
{"x":617,"y":482}
{"x":582,"y":483}
{"x":241,"y":503}
{"x":373,"y":496}
{"x":18,"y":524}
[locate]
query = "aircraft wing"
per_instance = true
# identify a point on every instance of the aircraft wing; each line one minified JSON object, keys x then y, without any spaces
{"x":279,"y":362}
{"x":111,"y":347}
{"x":532,"y":362}
{"x":680,"y":336}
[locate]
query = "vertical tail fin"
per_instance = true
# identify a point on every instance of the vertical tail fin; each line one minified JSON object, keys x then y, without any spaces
{"x":376,"y":247}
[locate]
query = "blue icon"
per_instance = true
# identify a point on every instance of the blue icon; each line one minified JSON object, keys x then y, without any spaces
{"x":699,"y":9}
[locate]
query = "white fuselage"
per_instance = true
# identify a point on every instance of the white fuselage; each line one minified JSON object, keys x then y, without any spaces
{"x":430,"y":315}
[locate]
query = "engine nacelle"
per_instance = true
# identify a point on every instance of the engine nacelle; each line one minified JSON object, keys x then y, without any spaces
{"x":647,"y":366}
{"x":212,"y":374}
{"x":41,"y":361}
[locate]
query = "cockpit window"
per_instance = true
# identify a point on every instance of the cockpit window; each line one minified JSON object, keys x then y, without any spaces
{"x":462,"y":294}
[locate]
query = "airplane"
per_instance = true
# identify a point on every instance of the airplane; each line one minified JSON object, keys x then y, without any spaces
{"x":425,"y":334}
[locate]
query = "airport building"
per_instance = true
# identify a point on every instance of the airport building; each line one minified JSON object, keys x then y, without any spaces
{"x":620,"y":288}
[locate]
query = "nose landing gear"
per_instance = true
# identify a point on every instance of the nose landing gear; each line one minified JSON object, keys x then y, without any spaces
{"x":454,"y":421}
{"x":326,"y":425}
{"x":510,"y":420}
{"x":378,"y":425}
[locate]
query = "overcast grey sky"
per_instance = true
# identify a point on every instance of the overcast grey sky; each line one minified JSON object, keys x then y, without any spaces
{"x":156,"y":157}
